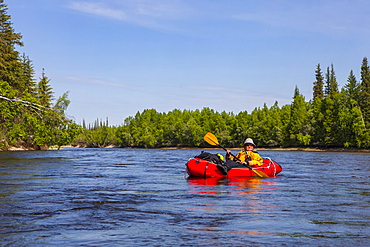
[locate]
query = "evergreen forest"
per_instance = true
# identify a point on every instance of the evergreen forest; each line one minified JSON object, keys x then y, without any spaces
{"x":334,"y":118}
{"x":31,"y":116}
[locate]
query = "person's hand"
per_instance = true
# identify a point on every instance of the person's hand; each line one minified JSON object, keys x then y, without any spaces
{"x":244,"y":162}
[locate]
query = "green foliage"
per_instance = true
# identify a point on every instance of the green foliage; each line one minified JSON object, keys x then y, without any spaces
{"x":318,"y":88}
{"x":333,"y":119}
{"x":331,"y":85}
{"x":62,"y":103}
{"x":352,"y":89}
{"x":44,"y":90}
{"x":9,"y":59}
{"x":364,"y":99}
{"x":298,"y":121}
{"x":27,"y":117}
{"x":97,"y":138}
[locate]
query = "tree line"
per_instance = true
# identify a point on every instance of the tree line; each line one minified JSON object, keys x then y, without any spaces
{"x":29,"y":116}
{"x":333,"y":118}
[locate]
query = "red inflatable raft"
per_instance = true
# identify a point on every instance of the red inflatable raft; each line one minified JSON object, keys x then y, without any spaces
{"x":201,"y":168}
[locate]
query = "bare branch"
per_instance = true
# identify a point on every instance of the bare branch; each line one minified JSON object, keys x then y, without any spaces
{"x":27,"y":103}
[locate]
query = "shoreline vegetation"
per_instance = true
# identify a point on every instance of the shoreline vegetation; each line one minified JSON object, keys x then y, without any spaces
{"x":307,"y":149}
{"x":31,"y":119}
{"x":30,"y":115}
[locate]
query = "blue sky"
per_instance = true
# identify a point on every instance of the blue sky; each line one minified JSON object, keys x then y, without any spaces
{"x":118,"y":57}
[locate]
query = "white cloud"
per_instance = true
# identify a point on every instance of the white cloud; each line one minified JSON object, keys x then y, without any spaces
{"x":98,"y":9}
{"x":328,"y":17}
{"x":151,"y":14}
{"x":93,"y":81}
{"x":321,"y":16}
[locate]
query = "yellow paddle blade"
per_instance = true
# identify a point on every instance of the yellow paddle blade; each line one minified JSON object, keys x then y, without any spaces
{"x":260,"y":174}
{"x":211,"y":139}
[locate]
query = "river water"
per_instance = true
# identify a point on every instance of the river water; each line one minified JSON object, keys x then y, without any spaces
{"x":138,"y":197}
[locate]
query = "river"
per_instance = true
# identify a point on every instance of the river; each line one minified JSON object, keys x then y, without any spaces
{"x":140,"y":197}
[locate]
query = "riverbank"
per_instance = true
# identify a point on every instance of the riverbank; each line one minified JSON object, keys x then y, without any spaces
{"x":21,"y":146}
{"x":310,"y":149}
{"x":296,"y":149}
{"x":316,"y":149}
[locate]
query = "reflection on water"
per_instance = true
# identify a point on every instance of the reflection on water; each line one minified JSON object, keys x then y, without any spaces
{"x":130,"y":197}
{"x":244,"y":199}
{"x":243,"y":185}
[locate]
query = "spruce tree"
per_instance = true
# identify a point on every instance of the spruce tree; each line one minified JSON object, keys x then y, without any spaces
{"x":298,"y":120}
{"x":44,"y":90}
{"x":333,"y":81}
{"x":364,"y":101}
{"x":26,"y":76}
{"x":316,"y":120}
{"x":318,"y":88}
{"x":348,"y":124}
{"x":351,"y":89}
{"x":331,"y":86}
{"x":327,"y":83}
{"x":330,"y":108}
{"x":9,"y":59}
{"x":25,"y":115}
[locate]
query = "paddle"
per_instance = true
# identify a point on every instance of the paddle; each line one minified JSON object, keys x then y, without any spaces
{"x":212,"y":139}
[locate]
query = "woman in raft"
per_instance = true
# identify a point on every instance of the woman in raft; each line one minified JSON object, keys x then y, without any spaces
{"x":246,"y":157}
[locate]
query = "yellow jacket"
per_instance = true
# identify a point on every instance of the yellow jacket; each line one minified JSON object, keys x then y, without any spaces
{"x":253,"y":158}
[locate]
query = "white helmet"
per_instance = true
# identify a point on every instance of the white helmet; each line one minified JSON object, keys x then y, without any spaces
{"x":249,"y":141}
